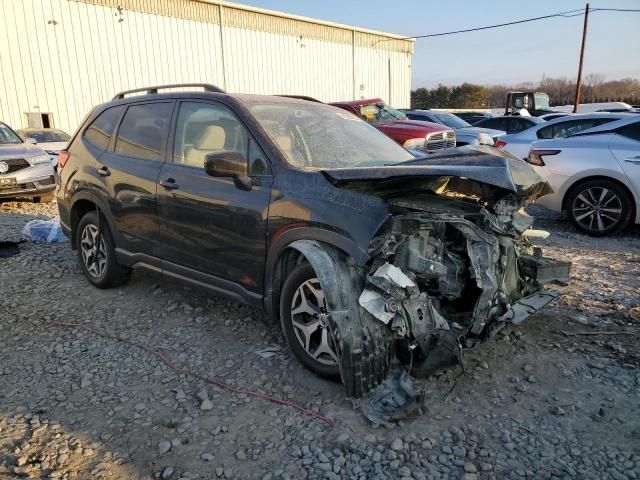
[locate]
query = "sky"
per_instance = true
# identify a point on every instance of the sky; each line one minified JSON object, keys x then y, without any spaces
{"x":504,"y":55}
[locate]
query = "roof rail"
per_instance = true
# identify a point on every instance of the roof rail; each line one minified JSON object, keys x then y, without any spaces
{"x":302,"y":97}
{"x":151,"y":90}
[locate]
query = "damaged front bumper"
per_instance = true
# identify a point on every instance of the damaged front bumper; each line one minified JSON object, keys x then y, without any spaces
{"x":439,"y":283}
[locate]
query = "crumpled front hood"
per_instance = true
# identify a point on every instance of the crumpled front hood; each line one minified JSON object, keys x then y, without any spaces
{"x":488,"y":166}
{"x":19,"y":150}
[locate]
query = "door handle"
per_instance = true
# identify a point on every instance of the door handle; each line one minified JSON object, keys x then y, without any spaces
{"x":635,"y":159}
{"x":169,"y":184}
{"x":104,"y":171}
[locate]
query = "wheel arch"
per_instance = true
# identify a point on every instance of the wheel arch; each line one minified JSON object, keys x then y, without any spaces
{"x":321,"y":248}
{"x":582,"y":180}
{"x":83,"y":203}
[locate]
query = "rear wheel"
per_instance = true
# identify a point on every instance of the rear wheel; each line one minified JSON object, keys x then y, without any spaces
{"x":304,"y":317}
{"x":97,"y":253}
{"x":599,"y":207}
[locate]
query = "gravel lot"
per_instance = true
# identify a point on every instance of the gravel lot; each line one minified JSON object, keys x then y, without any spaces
{"x":556,"y":398}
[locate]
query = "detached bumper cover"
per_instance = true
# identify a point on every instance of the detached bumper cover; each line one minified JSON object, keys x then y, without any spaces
{"x":524,"y":308}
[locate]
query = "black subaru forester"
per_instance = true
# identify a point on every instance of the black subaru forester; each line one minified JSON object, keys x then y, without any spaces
{"x":364,"y":252}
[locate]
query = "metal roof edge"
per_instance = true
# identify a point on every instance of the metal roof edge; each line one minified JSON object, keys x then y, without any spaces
{"x":291,"y":16}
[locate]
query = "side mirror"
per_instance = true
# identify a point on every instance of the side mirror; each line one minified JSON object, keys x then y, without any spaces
{"x":230,"y":165}
{"x":31,"y":140}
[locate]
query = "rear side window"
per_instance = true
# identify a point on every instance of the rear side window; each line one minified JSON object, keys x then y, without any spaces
{"x":99,"y":132}
{"x":497,"y":123}
{"x":631,"y":131}
{"x":519,"y":124}
{"x":565,"y":129}
{"x":143,"y":131}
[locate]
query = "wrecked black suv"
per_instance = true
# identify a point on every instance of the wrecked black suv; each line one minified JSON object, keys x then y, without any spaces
{"x":362,"y":251}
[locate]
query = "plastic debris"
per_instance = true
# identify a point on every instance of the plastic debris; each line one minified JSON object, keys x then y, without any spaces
{"x":394,"y":399}
{"x":44,"y":231}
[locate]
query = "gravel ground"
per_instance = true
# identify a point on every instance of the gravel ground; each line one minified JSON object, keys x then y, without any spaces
{"x":556,"y":398}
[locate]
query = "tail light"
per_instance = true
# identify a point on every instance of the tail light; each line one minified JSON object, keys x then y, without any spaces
{"x":499,"y":143}
{"x":63,"y":156}
{"x":535,"y":156}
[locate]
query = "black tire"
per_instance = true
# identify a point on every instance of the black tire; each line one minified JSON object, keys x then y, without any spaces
{"x":46,"y":198}
{"x":322,"y":367}
{"x":599,"y":207}
{"x":106,"y":273}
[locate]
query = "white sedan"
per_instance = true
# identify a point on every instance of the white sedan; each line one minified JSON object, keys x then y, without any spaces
{"x":595,"y":176}
{"x":519,"y":143}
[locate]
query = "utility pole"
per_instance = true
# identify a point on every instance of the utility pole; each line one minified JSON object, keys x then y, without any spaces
{"x":584,"y":40}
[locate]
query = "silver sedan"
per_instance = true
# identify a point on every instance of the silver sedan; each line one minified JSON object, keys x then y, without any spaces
{"x":595,"y":176}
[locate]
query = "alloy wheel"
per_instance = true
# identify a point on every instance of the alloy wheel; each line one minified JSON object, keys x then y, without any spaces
{"x":597,"y":209}
{"x":309,"y":317}
{"x":94,"y":256}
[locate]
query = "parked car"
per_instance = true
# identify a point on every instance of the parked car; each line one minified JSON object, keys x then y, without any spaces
{"x":473,"y":117}
{"x":552,"y":116}
{"x":595,"y":175}
{"x":510,"y":124}
{"x":25,"y":170}
{"x":465,"y":133}
{"x":519,"y":144}
{"x":308,"y":212}
{"x":51,"y":140}
{"x":415,"y":134}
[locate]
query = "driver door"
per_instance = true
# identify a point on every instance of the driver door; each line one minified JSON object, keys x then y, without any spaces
{"x":207,"y":224}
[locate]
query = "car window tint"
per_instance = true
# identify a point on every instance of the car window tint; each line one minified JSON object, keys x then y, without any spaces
{"x":496,"y":123}
{"x":631,"y":131}
{"x":518,"y":124}
{"x":546,"y":132}
{"x":100,"y":131}
{"x":204,"y":128}
{"x":143,"y":130}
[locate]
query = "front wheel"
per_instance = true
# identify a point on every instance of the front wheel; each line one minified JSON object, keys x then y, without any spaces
{"x":97,"y":253}
{"x":304,"y":317}
{"x":599,"y":207}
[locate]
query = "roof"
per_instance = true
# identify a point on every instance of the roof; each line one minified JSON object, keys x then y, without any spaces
{"x":277,"y":13}
{"x":235,"y":15}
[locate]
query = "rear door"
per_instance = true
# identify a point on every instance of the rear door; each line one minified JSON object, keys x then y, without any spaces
{"x":625,"y":146}
{"x":128,"y":173}
{"x":208,"y":224}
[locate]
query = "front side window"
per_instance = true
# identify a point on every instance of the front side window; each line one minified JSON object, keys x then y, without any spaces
{"x":143,"y":130}
{"x":316,"y":136}
{"x":100,"y":131}
{"x":204,"y":128}
{"x":542,"y":101}
{"x":8,"y":136}
{"x":380,"y":113}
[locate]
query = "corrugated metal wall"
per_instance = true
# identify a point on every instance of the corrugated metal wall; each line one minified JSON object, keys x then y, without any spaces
{"x":65,"y":56}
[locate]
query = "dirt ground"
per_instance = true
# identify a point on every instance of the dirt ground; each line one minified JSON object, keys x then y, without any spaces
{"x":558,"y":397}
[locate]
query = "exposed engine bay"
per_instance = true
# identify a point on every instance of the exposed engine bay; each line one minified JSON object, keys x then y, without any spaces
{"x":450,"y":266}
{"x":446,"y":276}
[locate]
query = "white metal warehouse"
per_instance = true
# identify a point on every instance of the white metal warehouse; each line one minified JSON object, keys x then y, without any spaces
{"x":59,"y":58}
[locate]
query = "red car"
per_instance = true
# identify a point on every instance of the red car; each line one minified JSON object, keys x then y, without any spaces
{"x":415,"y":134}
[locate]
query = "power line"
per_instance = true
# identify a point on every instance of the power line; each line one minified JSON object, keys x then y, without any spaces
{"x":567,"y":14}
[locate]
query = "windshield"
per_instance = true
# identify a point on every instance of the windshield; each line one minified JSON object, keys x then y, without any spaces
{"x":316,"y":136}
{"x":44,"y":136}
{"x":8,"y":136}
{"x":542,"y":101}
{"x":451,"y":120}
{"x":380,"y":113}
